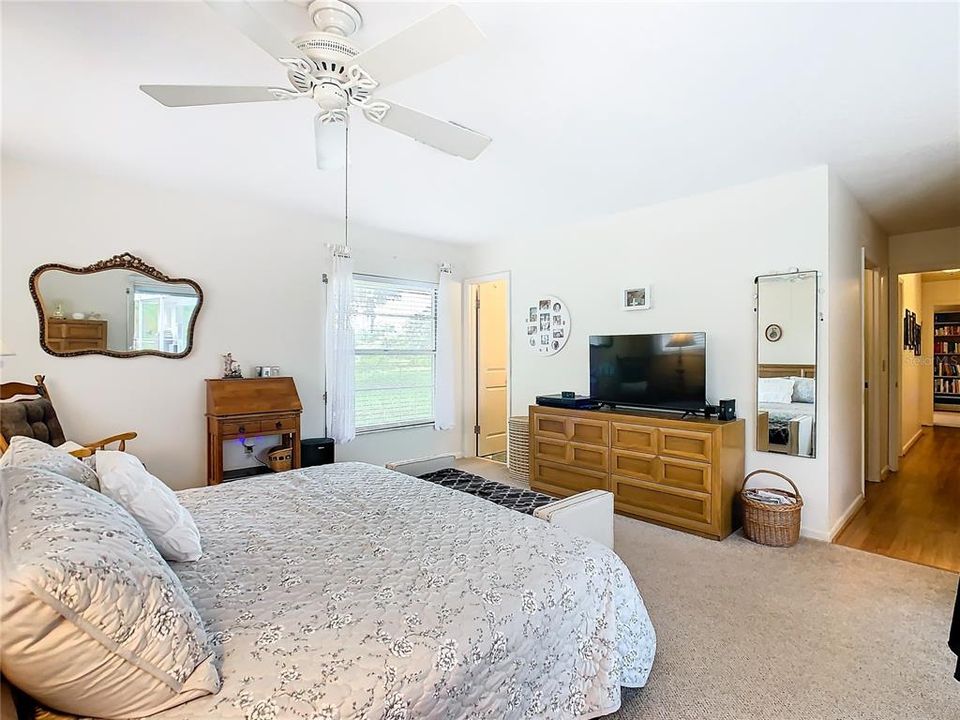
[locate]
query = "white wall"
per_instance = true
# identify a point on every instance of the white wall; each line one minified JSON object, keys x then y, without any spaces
{"x":259,"y":267}
{"x":937,"y":296}
{"x":852,"y":235}
{"x":791,"y":304}
{"x":911,"y":374}
{"x":700,"y":254}
{"x":913,"y":253}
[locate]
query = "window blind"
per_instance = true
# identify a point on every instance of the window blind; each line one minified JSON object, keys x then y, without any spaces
{"x":395,"y":340}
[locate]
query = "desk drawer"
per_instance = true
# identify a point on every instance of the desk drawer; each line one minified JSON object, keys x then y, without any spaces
{"x":557,"y":479}
{"x":285,"y":424}
{"x":686,"y":444}
{"x":245,"y":427}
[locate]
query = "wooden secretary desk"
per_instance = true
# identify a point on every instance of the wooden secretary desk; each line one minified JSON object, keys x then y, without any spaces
{"x":250,"y":407}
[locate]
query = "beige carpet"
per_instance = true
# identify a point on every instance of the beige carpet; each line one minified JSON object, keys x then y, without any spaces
{"x":814,"y":632}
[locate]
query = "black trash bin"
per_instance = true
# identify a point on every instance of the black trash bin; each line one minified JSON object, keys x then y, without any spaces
{"x":316,"y":451}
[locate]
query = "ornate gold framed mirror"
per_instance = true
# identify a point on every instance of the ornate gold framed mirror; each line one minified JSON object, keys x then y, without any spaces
{"x":120,"y":307}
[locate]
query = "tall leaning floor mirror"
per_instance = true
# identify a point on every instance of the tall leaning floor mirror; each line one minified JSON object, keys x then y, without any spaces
{"x":787,"y":324}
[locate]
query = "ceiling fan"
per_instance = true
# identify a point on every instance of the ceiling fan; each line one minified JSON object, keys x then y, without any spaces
{"x":323,"y":66}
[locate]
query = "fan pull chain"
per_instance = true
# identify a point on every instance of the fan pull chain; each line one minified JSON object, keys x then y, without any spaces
{"x":346,"y":185}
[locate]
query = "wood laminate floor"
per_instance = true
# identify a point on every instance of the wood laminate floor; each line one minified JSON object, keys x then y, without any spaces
{"x":915,"y":514}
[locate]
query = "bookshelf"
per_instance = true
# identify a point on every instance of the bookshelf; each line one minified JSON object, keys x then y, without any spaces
{"x":946,"y":361}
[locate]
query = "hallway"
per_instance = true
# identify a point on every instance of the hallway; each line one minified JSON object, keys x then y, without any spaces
{"x":915,"y":514}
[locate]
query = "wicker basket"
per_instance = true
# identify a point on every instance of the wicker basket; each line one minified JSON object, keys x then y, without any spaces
{"x":280,"y":458}
{"x":774,"y":525}
{"x":518,"y":457}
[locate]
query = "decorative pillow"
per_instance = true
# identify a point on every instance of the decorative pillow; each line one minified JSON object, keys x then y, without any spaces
{"x":804,"y":390}
{"x":775,"y":390}
{"x":123,"y":478}
{"x":94,"y":621}
{"x":27,"y":452}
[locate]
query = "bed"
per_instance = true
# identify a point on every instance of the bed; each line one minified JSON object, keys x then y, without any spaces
{"x":350,"y":590}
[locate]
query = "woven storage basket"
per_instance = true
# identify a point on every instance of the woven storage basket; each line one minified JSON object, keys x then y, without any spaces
{"x":280,"y":459}
{"x":518,"y":448}
{"x":774,"y":525}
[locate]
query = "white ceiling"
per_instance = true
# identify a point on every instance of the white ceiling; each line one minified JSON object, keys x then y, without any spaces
{"x":594,"y":108}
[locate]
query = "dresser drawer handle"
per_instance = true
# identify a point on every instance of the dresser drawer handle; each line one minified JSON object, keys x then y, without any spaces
{"x":279,"y":424}
{"x":242,"y":428}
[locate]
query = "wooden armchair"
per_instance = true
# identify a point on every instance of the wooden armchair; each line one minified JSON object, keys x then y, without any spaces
{"x":34,"y":416}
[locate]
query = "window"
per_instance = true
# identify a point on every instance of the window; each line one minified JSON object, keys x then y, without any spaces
{"x":395,"y":336}
{"x":161,"y":316}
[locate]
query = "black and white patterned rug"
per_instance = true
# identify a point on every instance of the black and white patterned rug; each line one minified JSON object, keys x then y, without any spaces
{"x":524,"y":501}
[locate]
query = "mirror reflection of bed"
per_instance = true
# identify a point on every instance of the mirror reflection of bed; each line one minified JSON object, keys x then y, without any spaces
{"x":787,"y":312}
{"x":786,"y":409}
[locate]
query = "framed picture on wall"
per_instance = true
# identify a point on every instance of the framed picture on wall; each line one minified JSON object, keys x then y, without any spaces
{"x":636,"y":298}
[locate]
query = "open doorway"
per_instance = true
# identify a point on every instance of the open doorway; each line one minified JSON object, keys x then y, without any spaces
{"x":912,"y":514}
{"x":874,"y":375}
{"x":489,"y":356}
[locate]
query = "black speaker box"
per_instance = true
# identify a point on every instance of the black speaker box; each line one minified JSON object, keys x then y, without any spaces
{"x":728,"y":409}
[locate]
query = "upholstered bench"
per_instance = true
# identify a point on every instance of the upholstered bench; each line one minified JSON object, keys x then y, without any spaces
{"x":589,"y":514}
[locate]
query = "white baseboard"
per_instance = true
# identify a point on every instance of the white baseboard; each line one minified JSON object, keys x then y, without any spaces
{"x":846,"y":517}
{"x":911,"y":441}
{"x":814,"y":534}
{"x":828,"y":536}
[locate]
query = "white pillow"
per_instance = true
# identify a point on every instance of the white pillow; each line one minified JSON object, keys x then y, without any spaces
{"x":770,"y":390}
{"x":123,"y":478}
{"x":804,"y":390}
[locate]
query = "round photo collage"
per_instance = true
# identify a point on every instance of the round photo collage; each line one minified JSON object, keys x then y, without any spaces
{"x":548,"y":325}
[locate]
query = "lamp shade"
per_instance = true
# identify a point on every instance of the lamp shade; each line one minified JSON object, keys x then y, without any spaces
{"x":681,"y":340}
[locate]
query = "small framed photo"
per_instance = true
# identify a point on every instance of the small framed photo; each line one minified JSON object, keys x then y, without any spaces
{"x":637,"y":298}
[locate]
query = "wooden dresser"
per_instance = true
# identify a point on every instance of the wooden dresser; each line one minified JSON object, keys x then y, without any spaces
{"x":67,"y":335}
{"x":246,"y":408}
{"x":681,"y":473}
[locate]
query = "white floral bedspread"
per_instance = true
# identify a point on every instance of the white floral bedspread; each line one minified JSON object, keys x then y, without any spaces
{"x":351,"y":591}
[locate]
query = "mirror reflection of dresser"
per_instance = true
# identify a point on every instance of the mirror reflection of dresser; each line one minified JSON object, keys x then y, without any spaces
{"x":787,"y":329}
{"x":67,"y":335}
{"x":121,"y":307}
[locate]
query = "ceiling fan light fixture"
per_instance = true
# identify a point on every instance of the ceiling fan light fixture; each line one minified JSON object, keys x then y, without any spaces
{"x":331,"y":143}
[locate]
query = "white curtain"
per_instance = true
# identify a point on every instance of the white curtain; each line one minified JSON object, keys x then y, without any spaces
{"x":444,"y":379}
{"x":341,"y":425}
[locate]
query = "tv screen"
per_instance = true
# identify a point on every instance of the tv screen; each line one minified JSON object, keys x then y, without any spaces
{"x":667,"y":370}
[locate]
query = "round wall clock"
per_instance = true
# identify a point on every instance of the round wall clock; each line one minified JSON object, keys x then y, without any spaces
{"x":773,"y":332}
{"x":548,"y":325}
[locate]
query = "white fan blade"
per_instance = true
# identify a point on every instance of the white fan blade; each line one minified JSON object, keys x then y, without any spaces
{"x":190,"y":95}
{"x":251,"y":23}
{"x":440,"y":134}
{"x":431,"y":41}
{"x":331,"y":141}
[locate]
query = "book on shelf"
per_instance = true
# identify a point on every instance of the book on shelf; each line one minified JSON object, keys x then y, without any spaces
{"x":946,"y":386}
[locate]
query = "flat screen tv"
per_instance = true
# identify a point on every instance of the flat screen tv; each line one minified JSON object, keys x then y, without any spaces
{"x":666,"y":370}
